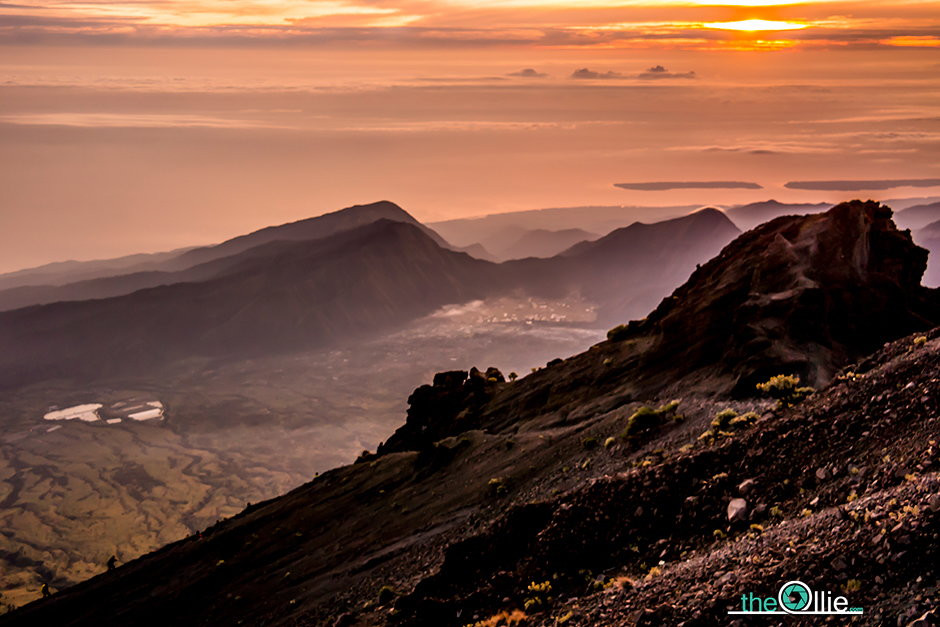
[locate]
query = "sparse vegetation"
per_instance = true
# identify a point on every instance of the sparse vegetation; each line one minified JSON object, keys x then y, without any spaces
{"x":723,"y":419}
{"x":646,"y":419}
{"x":502,"y":619}
{"x":786,"y":389}
{"x":538,"y":595}
{"x":726,"y":422}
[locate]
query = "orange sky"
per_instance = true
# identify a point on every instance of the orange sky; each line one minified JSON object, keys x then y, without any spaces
{"x":698,"y":24}
{"x":146,"y":125}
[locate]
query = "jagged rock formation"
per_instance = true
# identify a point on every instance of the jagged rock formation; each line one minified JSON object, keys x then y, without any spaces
{"x":450,"y":405}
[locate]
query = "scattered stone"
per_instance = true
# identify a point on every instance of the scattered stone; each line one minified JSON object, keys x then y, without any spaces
{"x":737,"y":510}
{"x":933,"y":502}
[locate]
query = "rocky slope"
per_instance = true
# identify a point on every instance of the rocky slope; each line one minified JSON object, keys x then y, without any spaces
{"x":580,"y":495}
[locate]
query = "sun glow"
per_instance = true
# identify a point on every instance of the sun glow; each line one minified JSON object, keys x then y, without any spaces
{"x":749,"y":3}
{"x":756,"y":25}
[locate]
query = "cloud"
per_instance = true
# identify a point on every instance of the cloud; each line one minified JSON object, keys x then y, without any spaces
{"x":658,"y":71}
{"x":657,"y":186}
{"x":844,"y":186}
{"x":528,"y":73}
{"x":131,"y":120}
{"x":585,"y":73}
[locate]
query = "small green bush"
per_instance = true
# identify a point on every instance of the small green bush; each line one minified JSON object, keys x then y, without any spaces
{"x":786,"y":389}
{"x":646,"y":419}
{"x":723,"y":418}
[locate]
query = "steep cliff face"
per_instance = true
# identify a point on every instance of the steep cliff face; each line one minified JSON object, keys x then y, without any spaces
{"x":803,"y":295}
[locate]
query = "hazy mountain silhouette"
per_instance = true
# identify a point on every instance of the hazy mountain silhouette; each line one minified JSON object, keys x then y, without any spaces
{"x":918,"y":216}
{"x":750,"y":215}
{"x":627,"y":270}
{"x":544,"y":243}
{"x":62,"y":272}
{"x":128,"y":274}
{"x":274,"y":297}
{"x":497,"y":232}
{"x":929,"y":238}
{"x":492,"y":486}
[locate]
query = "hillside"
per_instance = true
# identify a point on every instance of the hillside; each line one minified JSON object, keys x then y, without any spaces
{"x":544,"y":243}
{"x":630,"y":269}
{"x":499,"y":230}
{"x":556,"y":495}
{"x":918,"y":216}
{"x":277,"y":297}
{"x":929,"y":238}
{"x":75,"y":281}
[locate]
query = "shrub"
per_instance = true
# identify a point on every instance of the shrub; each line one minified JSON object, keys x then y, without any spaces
{"x":723,"y":418}
{"x":918,"y":341}
{"x":744,"y":420}
{"x":785,"y":388}
{"x":513,"y":376}
{"x":538,"y":595}
{"x":646,"y":419}
{"x":609,"y":442}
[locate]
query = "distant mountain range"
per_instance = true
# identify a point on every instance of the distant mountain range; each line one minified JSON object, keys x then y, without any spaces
{"x":497,"y":232}
{"x":544,"y":243}
{"x":918,"y":216}
{"x":749,"y":216}
{"x":359,"y":274}
{"x":342,"y":276}
{"x":277,"y":296}
{"x":929,"y":238}
{"x":101,"y":279}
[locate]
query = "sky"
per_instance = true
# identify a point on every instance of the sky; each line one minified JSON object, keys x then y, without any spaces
{"x":148,"y":125}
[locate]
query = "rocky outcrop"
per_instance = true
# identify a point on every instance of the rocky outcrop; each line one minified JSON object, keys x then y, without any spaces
{"x":801,"y":294}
